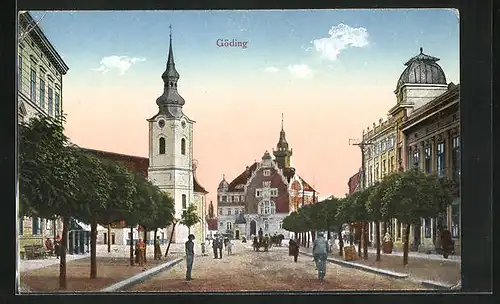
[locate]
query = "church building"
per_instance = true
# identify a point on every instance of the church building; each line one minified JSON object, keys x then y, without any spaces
{"x":262,"y":195}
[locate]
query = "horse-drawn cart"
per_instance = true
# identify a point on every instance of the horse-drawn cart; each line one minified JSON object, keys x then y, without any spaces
{"x":261,"y":243}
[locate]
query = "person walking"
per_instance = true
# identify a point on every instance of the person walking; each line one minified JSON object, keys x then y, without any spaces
{"x":293,"y":249}
{"x":446,"y":243}
{"x":57,"y":246}
{"x":229,"y":247}
{"x":157,"y":252}
{"x":320,"y":248}
{"x":220,"y":245}
{"x":215,"y":247}
{"x":189,"y":246}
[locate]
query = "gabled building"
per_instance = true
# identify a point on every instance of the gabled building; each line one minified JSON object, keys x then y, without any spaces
{"x":263,"y":195}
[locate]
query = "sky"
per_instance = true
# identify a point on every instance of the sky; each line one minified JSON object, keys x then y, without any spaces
{"x":331,"y":73}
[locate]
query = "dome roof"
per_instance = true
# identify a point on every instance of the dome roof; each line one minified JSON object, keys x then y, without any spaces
{"x":223,"y":185}
{"x":422,"y":69}
{"x":266,"y":156}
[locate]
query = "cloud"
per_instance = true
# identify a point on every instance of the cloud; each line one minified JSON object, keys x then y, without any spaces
{"x":272,"y":69}
{"x":340,"y":38}
{"x":300,"y":70}
{"x":119,"y":63}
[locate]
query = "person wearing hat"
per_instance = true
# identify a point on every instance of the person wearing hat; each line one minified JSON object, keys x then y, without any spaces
{"x":189,"y":246}
{"x":320,"y":253}
{"x":57,"y":246}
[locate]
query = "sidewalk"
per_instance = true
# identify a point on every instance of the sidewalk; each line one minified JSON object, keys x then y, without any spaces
{"x":430,"y":271}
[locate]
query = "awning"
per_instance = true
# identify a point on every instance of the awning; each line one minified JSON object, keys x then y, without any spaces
{"x":83,"y":226}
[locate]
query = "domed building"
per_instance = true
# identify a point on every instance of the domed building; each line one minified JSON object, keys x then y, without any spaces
{"x":262,"y":195}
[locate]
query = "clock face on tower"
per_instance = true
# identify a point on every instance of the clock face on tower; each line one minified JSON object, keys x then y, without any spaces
{"x":183,"y":124}
{"x":161,"y":123}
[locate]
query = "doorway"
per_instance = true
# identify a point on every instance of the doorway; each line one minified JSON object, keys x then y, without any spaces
{"x":237,"y":235}
{"x":112,"y":238}
{"x":105,"y":238}
{"x":253,"y":228}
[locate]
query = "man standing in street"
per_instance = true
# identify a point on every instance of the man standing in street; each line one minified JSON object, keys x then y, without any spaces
{"x":189,"y":256}
{"x":215,"y":246}
{"x":220,"y":245}
{"x":320,"y":253}
{"x":157,"y":251}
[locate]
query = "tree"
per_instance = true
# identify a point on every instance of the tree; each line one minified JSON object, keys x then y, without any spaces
{"x":164,"y":215}
{"x":415,"y":195}
{"x":48,"y":175}
{"x":190,"y":217}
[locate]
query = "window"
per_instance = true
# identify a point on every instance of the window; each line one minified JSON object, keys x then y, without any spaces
{"x":236,"y":211}
{"x":20,"y":73}
{"x":184,"y":202}
{"x":392,"y":142}
{"x":267,"y":207}
{"x":224,"y":198}
{"x":376,"y":172}
{"x":370,"y":175}
{"x":281,"y":225}
{"x":274,"y":192}
{"x":427,"y":227}
{"x":242,"y":199}
{"x":36,"y":226}
{"x":220,"y":211}
{"x":455,"y":159}
{"x":416,"y":158}
{"x":440,"y":159}
{"x":428,"y":159}
{"x":57,"y":105}
{"x":392,"y":164}
{"x":266,"y":225}
{"x":21,"y":226}
{"x":455,"y":219}
{"x":183,"y":146}
{"x":258,"y":193}
{"x":382,"y":144}
{"x":42,"y":93}
{"x":48,"y":224}
{"x":384,"y":167}
{"x":236,"y":199}
{"x":229,"y":198}
{"x":50,"y":103}
{"x":33,"y":86}
{"x":221,"y":224}
{"x":266,"y":184}
{"x":267,"y":172}
{"x":229,"y":225}
{"x":162,"y":145}
{"x":229,"y":211}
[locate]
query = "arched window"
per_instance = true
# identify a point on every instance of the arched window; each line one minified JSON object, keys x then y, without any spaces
{"x":267,"y":207}
{"x":183,"y":146}
{"x":184,"y":202}
{"x":162,"y":145}
{"x":266,"y":225}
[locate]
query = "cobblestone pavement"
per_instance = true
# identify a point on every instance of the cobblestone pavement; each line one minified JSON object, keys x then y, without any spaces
{"x":247,"y":270}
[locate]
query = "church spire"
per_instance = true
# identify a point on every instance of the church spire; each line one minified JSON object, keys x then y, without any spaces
{"x":170,"y":102}
{"x":282,"y":154}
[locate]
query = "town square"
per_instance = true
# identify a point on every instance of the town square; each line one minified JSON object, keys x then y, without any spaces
{"x":155,"y":158}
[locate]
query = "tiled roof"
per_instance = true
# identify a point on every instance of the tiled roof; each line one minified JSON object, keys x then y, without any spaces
{"x":212,"y":224}
{"x":307,"y":187}
{"x":133,"y":163}
{"x":242,"y":179}
{"x":353,"y":183}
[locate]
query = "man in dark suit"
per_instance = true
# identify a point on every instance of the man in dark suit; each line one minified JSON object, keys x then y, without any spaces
{"x":215,"y":246}
{"x":220,"y":244}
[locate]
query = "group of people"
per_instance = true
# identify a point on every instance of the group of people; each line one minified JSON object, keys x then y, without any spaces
{"x":54,"y":247}
{"x":219,"y":243}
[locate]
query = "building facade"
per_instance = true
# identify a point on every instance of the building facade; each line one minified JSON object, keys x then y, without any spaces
{"x":40,"y":71}
{"x":171,"y":164}
{"x":421,"y":85}
{"x":262,"y":195}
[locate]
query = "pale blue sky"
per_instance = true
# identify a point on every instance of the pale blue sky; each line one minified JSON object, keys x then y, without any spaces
{"x":275,"y":38}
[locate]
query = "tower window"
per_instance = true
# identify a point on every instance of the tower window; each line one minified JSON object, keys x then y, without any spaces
{"x":184,"y":202}
{"x":183,"y":146}
{"x":162,"y":145}
{"x":267,"y":172}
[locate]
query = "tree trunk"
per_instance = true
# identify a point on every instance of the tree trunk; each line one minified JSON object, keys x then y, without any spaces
{"x":170,"y":239}
{"x":365,"y":240}
{"x":145,"y":243}
{"x":405,"y":244}
{"x":341,"y":242}
{"x":54,"y":228}
{"x":62,"y":248}
{"x":93,"y":248}
{"x":154,"y":243}
{"x":351,"y":235}
{"x":377,"y":239}
{"x":132,"y":262}
{"x":313,"y":235}
{"x":189,"y":230}
{"x":358,"y":235}
{"x":109,"y":237}
{"x":308,"y":239}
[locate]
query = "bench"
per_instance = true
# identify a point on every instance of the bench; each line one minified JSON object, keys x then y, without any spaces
{"x":26,"y":240}
{"x":34,"y":251}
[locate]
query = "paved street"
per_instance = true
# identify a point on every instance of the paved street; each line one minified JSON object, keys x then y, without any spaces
{"x":247,"y":270}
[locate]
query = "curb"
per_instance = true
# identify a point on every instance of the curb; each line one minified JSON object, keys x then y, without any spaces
{"x":437,"y":285}
{"x":139,"y":278}
{"x":392,"y":274}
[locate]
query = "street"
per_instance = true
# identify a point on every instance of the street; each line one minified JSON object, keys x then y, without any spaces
{"x":247,"y":270}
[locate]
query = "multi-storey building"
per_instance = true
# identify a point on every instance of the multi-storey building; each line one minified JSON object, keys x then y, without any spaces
{"x":40,"y":71}
{"x":421,"y":84}
{"x":263,"y":195}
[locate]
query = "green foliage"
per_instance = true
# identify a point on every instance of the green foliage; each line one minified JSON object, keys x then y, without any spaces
{"x":190,"y":216}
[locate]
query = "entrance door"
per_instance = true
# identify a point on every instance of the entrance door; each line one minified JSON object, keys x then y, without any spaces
{"x":105,"y":238}
{"x":112,"y":238}
{"x":253,"y":228}
{"x":237,"y":235}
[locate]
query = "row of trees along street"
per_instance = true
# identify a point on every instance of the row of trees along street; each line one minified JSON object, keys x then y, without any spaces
{"x":406,"y":196}
{"x":59,"y":180}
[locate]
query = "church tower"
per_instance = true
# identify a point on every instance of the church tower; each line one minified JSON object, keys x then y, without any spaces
{"x":171,"y":145}
{"x":282,"y":154}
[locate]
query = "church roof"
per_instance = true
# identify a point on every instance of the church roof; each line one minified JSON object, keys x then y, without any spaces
{"x":133,"y":163}
{"x":196,"y":185}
